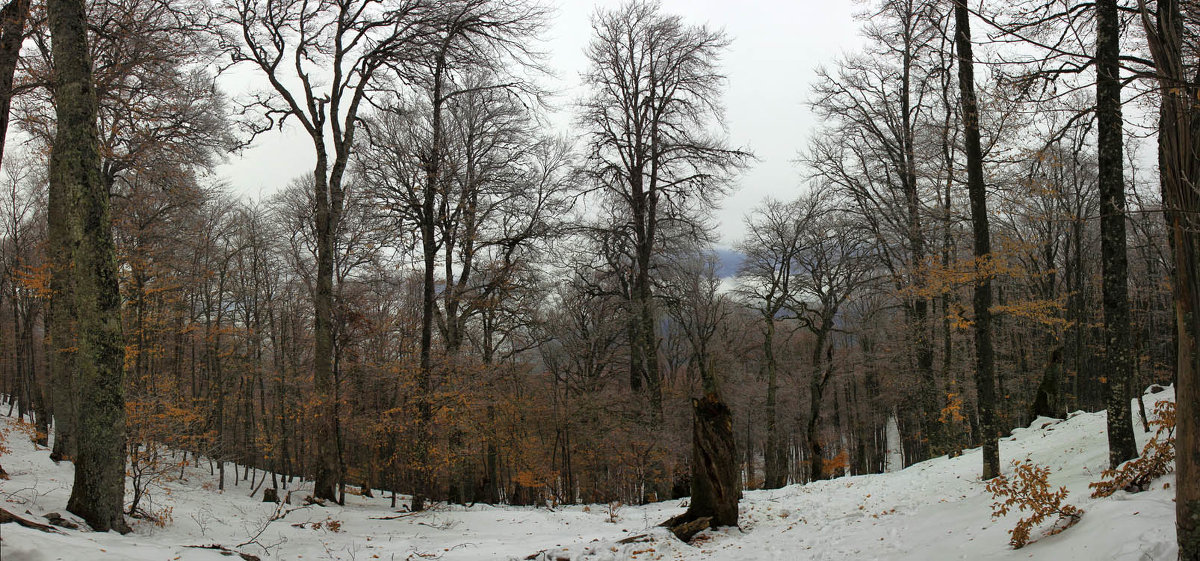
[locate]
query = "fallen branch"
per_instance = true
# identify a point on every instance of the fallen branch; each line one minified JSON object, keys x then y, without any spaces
{"x":685,"y":529}
{"x":226,"y":551}
{"x":7,"y":517}
{"x":402,"y":515}
{"x":280,"y":512}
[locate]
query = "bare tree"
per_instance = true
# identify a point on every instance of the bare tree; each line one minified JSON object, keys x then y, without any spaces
{"x":1118,"y":352}
{"x":477,"y":51}
{"x":830,"y":268}
{"x":876,"y":108}
{"x":766,"y":280}
{"x":1059,"y":35}
{"x":985,"y":385}
{"x":322,"y":60}
{"x":653,"y":96}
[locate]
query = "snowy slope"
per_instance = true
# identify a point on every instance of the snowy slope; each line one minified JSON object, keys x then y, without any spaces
{"x":934,"y":510}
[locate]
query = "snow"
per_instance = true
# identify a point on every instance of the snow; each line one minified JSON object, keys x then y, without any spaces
{"x":937,"y":509}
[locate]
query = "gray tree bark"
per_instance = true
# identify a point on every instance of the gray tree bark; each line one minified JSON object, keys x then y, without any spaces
{"x":98,"y":354}
{"x":1113,"y":260}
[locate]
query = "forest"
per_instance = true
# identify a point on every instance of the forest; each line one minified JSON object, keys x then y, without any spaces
{"x":478,"y":290}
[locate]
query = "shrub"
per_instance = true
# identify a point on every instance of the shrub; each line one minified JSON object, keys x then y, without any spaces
{"x":1029,"y":490}
{"x":1157,"y":459}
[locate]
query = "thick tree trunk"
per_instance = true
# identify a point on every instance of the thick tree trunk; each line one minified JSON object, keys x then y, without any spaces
{"x":985,"y":385}
{"x":60,"y":323}
{"x":1179,"y":157}
{"x":645,"y":344}
{"x":98,"y":492}
{"x":822,"y":370}
{"x":715,"y":485}
{"x":1113,"y":261}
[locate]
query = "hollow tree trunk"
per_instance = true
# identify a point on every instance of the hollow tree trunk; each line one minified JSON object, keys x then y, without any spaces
{"x":716,"y":488}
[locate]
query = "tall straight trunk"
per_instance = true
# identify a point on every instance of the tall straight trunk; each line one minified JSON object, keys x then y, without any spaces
{"x":326,"y":474}
{"x":985,"y":372}
{"x":1113,"y":261}
{"x":60,"y":324}
{"x":918,"y":308}
{"x":429,"y":250}
{"x":775,"y":465}
{"x":644,"y":369}
{"x":98,"y":491}
{"x":1179,"y":157}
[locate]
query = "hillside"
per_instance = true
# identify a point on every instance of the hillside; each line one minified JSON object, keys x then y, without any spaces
{"x":933,"y":510}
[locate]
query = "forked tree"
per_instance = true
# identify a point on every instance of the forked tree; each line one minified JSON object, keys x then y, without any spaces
{"x":322,"y":60}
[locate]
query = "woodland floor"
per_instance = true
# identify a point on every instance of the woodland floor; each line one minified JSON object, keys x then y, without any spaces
{"x":937,"y":509}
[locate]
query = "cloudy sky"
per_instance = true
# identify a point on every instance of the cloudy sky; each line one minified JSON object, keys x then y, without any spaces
{"x":776,"y":47}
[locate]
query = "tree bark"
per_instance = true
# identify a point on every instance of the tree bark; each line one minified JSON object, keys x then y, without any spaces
{"x":1179,"y":158}
{"x":98,"y":492}
{"x":985,"y":371}
{"x":821,"y":372}
{"x":775,"y":468}
{"x":1113,"y":260}
{"x":326,"y":477}
{"x":715,"y":485}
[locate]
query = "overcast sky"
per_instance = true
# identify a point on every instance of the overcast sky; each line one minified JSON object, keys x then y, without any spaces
{"x":776,"y":47}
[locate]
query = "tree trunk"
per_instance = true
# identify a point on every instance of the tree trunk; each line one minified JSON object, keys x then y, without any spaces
{"x":715,"y":486}
{"x":12,"y":35}
{"x":1048,"y":401}
{"x":1113,"y":261}
{"x":98,"y":492}
{"x":1179,"y":156}
{"x":326,"y":476}
{"x":423,"y":459}
{"x":775,"y":465}
{"x":822,"y":369}
{"x":985,"y":385}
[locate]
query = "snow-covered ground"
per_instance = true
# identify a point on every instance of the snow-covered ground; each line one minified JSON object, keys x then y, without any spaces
{"x":933,"y":510}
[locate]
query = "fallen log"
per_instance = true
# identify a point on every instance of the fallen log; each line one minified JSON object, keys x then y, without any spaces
{"x":7,"y":517}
